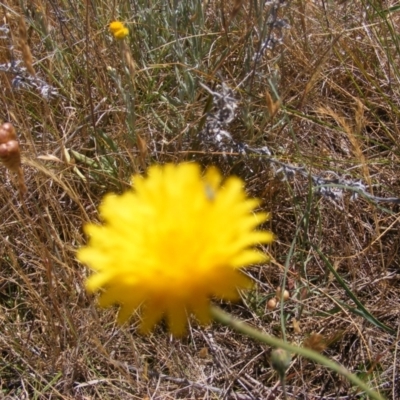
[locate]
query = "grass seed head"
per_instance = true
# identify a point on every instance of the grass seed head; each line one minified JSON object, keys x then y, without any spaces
{"x":10,"y":154}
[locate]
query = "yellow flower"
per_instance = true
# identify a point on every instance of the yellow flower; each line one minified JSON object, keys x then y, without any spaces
{"x":172,"y":242}
{"x":118,"y":30}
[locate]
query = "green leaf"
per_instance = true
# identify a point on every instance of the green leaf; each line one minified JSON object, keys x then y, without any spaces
{"x":360,"y":309}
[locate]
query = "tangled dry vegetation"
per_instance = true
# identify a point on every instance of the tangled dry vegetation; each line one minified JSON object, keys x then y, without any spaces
{"x":315,"y":87}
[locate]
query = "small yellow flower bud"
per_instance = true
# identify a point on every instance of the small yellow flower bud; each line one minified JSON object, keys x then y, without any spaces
{"x":116,"y":26}
{"x":119,"y":30}
{"x":121,"y":34}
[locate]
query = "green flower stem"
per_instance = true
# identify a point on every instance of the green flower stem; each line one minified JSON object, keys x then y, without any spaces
{"x":241,"y":327}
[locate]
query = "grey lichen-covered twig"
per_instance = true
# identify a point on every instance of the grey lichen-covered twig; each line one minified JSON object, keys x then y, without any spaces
{"x":270,"y":35}
{"x":275,"y":26}
{"x":215,"y":136}
{"x":22,"y":79}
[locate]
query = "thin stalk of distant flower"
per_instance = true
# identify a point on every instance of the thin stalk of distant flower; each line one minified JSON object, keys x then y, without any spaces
{"x":120,"y":33}
{"x":247,"y":330}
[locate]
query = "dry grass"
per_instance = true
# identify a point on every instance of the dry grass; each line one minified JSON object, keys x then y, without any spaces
{"x":327,"y":98}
